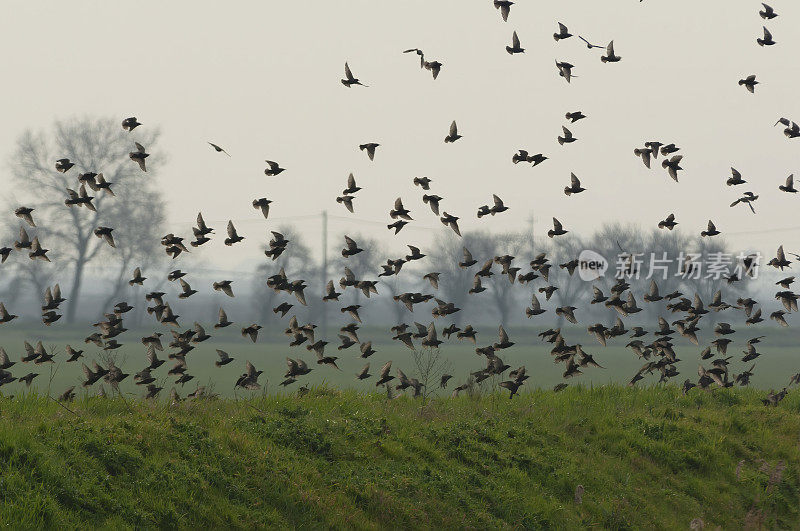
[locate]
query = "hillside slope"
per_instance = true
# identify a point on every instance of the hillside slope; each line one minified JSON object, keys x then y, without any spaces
{"x":646,"y":457}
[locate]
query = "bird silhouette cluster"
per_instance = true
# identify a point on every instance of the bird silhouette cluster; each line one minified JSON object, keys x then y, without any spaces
{"x":656,"y":351}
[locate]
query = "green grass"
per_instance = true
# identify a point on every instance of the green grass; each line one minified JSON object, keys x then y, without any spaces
{"x":648,"y":458}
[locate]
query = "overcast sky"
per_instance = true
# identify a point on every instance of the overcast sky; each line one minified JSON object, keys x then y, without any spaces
{"x":262,"y":78}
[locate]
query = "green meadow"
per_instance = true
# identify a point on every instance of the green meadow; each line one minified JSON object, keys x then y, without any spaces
{"x":645,"y":458}
{"x":779,"y":360}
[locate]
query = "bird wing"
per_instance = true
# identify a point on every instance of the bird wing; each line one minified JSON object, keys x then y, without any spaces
{"x":347,"y":73}
{"x":514,"y":40}
{"x":557,"y":225}
{"x":453,"y":129}
{"x":574,"y":181}
{"x":476,"y":283}
{"x":231,"y":230}
{"x":351,"y":243}
{"x":653,"y":288}
{"x":497,"y":201}
{"x":631,"y":300}
{"x":502,"y":335}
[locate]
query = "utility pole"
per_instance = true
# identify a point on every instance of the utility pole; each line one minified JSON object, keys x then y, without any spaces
{"x":530,"y":224}
{"x":324,"y":272}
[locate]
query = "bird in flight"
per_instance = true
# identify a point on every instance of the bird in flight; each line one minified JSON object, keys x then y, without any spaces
{"x":589,"y":44}
{"x":789,"y":186}
{"x":139,"y":155}
{"x":129,"y":124}
{"x":563,"y":33}
{"x":274,"y":168}
{"x":218,"y":149}
{"x":768,"y":13}
{"x":565,"y":70}
{"x":610,"y":56}
{"x":349,"y":80}
{"x":453,"y":134}
{"x":505,"y":8}
{"x":749,"y":83}
{"x":767,"y":40}
{"x":369,"y":148}
{"x":515,"y":46}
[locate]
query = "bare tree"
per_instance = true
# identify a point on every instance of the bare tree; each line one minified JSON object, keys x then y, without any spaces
{"x":454,"y":282}
{"x":394,"y":286}
{"x":503,"y":291}
{"x":93,"y":145}
{"x":571,"y":288}
{"x":429,"y":366}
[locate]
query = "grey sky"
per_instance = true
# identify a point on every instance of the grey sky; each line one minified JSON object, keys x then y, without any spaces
{"x":261,"y":79}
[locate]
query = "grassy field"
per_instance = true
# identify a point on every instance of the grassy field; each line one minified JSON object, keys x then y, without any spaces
{"x":780,"y":359}
{"x":646,"y":458}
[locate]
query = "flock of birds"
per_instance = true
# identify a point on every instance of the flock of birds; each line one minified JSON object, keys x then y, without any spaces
{"x":657,"y":352}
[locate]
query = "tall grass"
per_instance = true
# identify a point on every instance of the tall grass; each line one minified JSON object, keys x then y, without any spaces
{"x":645,"y":457}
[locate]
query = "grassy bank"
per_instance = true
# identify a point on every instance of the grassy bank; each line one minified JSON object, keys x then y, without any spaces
{"x":647,"y":457}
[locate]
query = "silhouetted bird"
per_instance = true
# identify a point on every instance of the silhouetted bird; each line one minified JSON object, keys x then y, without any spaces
{"x":349,"y":80}
{"x":218,"y":149}
{"x":453,"y":135}
{"x":139,"y":156}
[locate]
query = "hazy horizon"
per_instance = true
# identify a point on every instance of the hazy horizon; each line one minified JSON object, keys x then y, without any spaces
{"x":262,"y":81}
